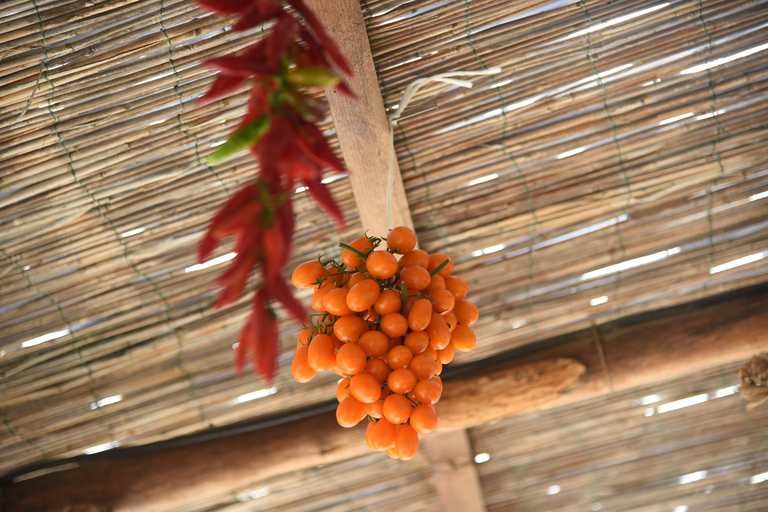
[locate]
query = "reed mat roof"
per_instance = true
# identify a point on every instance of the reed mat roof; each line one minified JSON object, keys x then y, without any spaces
{"x":616,"y":164}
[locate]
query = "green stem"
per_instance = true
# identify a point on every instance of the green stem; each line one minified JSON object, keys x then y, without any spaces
{"x":353,"y":251}
{"x":440,"y":267}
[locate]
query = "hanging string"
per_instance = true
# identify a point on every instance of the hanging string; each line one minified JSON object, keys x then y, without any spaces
{"x":408,"y":94}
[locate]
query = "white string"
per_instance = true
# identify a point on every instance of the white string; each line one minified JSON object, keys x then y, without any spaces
{"x":410,"y":92}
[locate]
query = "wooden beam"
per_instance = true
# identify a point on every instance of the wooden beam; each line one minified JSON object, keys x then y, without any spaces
{"x":454,"y":471}
{"x":180,"y":478}
{"x":361,"y":124}
{"x":621,"y":355}
{"x":639,"y":351}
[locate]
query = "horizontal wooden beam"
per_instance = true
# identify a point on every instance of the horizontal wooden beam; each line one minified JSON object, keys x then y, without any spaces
{"x":636,"y":352}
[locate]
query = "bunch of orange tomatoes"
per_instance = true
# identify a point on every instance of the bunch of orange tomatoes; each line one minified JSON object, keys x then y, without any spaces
{"x":386,"y":321}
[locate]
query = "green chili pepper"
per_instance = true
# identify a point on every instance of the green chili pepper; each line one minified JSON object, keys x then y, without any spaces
{"x":311,"y":77}
{"x":242,"y":139}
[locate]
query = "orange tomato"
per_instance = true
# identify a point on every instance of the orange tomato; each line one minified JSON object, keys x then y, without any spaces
{"x":420,"y":315}
{"x":374,"y":343}
{"x":378,"y":368}
{"x":354,"y":279}
{"x":450,"y":320}
{"x":457,"y":286}
{"x":439,"y":335}
{"x":319,"y":295}
{"x":303,"y":338}
{"x":466,"y":312}
{"x":342,"y":390}
{"x":349,"y":258}
{"x":427,"y":391}
{"x":365,"y":388}
{"x":401,"y":240}
{"x":437,"y":283}
{"x":416,"y":342}
{"x":446,"y":354}
{"x":397,"y":409}
{"x":463,"y":338}
{"x":416,"y":257}
{"x":335,"y":302}
{"x":350,"y":359}
{"x":432,"y":353}
{"x":363,"y":295}
{"x":394,"y":325}
{"x":381,"y":264}
{"x":423,"y":367}
{"x":383,"y":435}
{"x":409,"y":302}
{"x":307,"y":274}
{"x":406,"y":442}
{"x":322,"y":352}
{"x":437,"y":259}
{"x":399,"y":357}
{"x":401,"y":381}
{"x":349,"y":328}
{"x":423,"y":419}
{"x":442,"y":301}
{"x":415,"y":277}
{"x":369,"y":431}
{"x":388,"y":302}
{"x":300,"y":368}
{"x":350,"y":412}
{"x":375,"y":409}
{"x":371,"y":315}
{"x":336,"y":275}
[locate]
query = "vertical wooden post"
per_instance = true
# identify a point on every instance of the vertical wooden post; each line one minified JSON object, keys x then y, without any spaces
{"x":362,"y":125}
{"x":453,"y":471}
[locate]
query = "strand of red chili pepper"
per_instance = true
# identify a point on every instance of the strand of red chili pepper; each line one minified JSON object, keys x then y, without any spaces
{"x":279,"y":128}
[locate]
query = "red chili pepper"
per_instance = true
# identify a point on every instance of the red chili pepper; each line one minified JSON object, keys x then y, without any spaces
{"x":330,"y":46}
{"x":224,"y":6}
{"x":315,"y":146}
{"x":257,"y":13}
{"x":221,"y":225}
{"x":244,"y":66}
{"x":311,"y":53}
{"x":271,"y":148}
{"x":279,"y":289}
{"x":322,"y":195}
{"x":233,"y":280}
{"x":299,"y":168}
{"x":245,"y":343}
{"x":287,"y":220}
{"x":274,"y":251}
{"x":221,"y":86}
{"x":267,"y":345}
{"x":283,"y":33}
{"x":258,"y":106}
{"x":344,"y":89}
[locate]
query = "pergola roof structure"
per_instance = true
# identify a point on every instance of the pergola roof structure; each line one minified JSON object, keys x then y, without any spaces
{"x":615,"y":166}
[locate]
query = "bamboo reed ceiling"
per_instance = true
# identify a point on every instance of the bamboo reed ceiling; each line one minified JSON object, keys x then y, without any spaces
{"x":687,"y":445}
{"x":612,"y":166}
